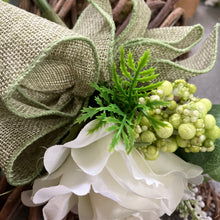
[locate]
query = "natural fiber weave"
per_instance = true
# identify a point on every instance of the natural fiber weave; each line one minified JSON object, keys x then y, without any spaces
{"x":45,"y":70}
{"x":45,"y":75}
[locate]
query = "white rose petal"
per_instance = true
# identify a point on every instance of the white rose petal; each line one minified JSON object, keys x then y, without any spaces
{"x":54,"y":157}
{"x":114,"y":185}
{"x":59,"y":206}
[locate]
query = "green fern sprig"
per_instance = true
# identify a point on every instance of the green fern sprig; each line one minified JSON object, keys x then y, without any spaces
{"x":118,"y":104}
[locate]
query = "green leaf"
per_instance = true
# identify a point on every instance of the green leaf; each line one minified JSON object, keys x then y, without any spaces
{"x":143,"y":60}
{"x":106,"y":93}
{"x":117,"y":81}
{"x":98,"y":124}
{"x":130,"y":61}
{"x":148,"y":72}
{"x":149,"y":87}
{"x":153,"y":121}
{"x":86,"y":114}
{"x":98,"y":101}
{"x":112,"y":108}
{"x":209,"y":161}
{"x":122,"y":65}
{"x":131,"y":137}
{"x":126,"y":141}
{"x":114,"y":141}
{"x":112,"y":120}
{"x":148,"y":78}
{"x":113,"y":128}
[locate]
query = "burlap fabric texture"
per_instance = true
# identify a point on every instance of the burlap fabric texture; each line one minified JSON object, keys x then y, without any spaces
{"x":45,"y":70}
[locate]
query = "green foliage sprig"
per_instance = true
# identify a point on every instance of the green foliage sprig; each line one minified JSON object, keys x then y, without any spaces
{"x":118,"y":103}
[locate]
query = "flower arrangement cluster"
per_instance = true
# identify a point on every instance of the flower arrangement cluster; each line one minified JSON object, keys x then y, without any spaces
{"x":158,"y":116}
{"x":122,"y":164}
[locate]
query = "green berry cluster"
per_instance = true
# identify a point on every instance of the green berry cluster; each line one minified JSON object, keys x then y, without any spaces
{"x":187,"y":122}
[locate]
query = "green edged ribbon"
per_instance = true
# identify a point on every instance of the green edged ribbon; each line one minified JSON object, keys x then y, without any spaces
{"x":45,"y":70}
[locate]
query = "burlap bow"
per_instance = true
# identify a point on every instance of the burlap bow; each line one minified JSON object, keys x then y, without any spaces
{"x":45,"y":70}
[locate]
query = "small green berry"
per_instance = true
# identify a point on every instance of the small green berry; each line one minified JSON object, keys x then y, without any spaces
{"x":192,"y":88}
{"x":151,"y":153}
{"x":145,"y":121}
{"x":187,"y":150}
{"x":179,"y":109}
{"x":207,"y":103}
{"x":157,"y":111}
{"x":195,"y":141}
{"x":169,"y":97}
{"x":136,"y":135}
{"x":166,"y":131}
{"x":213,"y":133}
{"x":154,"y":97}
{"x":148,"y":136}
{"x":141,"y":100}
{"x":158,"y":117}
{"x":172,"y":105}
{"x":200,"y":131}
{"x":144,"y":128}
{"x":209,"y":121}
{"x":171,"y":145}
{"x":186,"y":119}
{"x":186,"y":112}
{"x":208,"y":143}
{"x":175,"y":120}
{"x":187,"y":131}
{"x":193,"y":119}
{"x":165,"y":115}
{"x":181,"y":142}
{"x":138,"y":129}
{"x":201,"y":107}
{"x":199,"y":123}
{"x":164,"y":148}
{"x":195,"y":149}
{"x":195,"y":113}
{"x":210,"y":149}
{"x":166,"y":87}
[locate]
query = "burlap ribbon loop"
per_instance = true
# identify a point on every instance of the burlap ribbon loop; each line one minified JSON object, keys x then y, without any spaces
{"x":45,"y":70}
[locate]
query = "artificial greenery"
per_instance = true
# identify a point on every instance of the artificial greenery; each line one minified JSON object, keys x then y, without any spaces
{"x":118,"y":102}
{"x":209,"y":161}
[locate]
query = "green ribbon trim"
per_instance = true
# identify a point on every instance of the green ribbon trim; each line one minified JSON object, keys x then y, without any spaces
{"x":39,"y":104}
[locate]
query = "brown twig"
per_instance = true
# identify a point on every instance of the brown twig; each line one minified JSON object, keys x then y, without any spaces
{"x":173,"y":17}
{"x":68,"y":4}
{"x":52,"y":3}
{"x":208,"y":200}
{"x":25,"y":4}
{"x":117,"y":9}
{"x":81,"y":5}
{"x":74,"y":13}
{"x":58,"y":5}
{"x":11,"y":203}
{"x":168,"y":7}
{"x":37,"y":10}
{"x":113,"y":3}
{"x":216,"y":200}
{"x":16,"y":214}
{"x":35,"y":213}
{"x":3,"y":184}
{"x":3,"y":188}
{"x":155,"y":5}
{"x":123,"y":25}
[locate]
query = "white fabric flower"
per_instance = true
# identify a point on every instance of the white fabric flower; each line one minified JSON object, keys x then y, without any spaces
{"x":84,"y":176}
